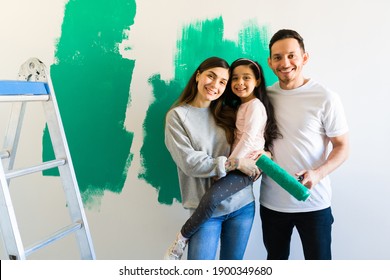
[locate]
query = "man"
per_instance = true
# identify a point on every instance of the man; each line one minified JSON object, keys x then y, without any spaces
{"x":314,"y":143}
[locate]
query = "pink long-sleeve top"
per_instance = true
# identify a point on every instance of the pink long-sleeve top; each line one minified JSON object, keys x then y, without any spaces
{"x":250,"y":126}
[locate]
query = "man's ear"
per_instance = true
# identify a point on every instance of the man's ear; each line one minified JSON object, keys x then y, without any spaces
{"x":305,"y":57}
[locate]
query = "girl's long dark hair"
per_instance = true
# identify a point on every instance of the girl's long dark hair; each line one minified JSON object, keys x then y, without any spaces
{"x":271,"y":129}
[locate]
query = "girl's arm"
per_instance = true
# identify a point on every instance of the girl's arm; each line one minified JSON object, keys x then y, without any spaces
{"x":258,"y":153}
{"x":245,"y":165}
{"x":255,"y":119}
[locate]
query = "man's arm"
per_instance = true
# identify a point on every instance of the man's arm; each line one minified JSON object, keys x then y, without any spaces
{"x":337,"y":156}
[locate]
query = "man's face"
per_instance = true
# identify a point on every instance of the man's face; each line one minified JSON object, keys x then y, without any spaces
{"x":286,"y":61}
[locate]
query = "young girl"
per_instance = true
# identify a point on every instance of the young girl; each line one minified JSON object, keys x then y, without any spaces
{"x":199,"y":135}
{"x":255,"y":130}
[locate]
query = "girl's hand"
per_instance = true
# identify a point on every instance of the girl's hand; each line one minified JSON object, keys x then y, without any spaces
{"x":248,"y":167}
{"x":258,"y":153}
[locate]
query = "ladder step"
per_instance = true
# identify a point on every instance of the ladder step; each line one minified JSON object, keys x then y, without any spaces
{"x":10,"y":87}
{"x":4,"y":154}
{"x":23,"y":98}
{"x":40,"y":167}
{"x":54,"y":237}
{"x":22,"y":91}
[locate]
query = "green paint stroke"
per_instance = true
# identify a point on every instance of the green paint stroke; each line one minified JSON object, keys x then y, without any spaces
{"x":198,"y":41}
{"x":92,"y":83}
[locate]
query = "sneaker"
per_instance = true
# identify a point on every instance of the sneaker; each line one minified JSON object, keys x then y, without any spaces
{"x":176,"y":251}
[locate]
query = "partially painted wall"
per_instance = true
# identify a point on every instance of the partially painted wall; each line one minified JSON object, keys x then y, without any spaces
{"x":117,"y":66}
{"x":94,"y":104}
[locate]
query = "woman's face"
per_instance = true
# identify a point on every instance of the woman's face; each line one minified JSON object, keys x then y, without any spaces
{"x":211,"y":84}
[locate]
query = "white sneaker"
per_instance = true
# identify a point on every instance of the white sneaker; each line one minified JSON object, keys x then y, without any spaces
{"x":176,"y":251}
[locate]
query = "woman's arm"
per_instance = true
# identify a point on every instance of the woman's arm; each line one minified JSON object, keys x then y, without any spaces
{"x":194,"y":163}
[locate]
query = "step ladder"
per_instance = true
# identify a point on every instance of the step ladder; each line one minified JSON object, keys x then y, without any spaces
{"x":34,"y":85}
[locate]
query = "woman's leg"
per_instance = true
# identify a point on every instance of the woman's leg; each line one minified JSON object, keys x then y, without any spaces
{"x":203,"y":244}
{"x":235,"y":232}
{"x":223,"y":188}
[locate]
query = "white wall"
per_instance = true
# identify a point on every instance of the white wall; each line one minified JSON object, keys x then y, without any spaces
{"x":348,"y":44}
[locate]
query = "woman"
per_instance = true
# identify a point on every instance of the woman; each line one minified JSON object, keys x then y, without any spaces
{"x":198,"y":134}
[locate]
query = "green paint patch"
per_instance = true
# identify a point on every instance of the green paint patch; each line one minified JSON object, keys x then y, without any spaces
{"x":198,"y":41}
{"x":92,"y":83}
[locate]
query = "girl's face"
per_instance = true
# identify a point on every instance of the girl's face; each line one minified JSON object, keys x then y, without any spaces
{"x":211,"y":85}
{"x":244,"y":82}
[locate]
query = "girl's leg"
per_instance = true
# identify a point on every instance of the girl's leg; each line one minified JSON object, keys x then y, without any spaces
{"x":223,"y":188}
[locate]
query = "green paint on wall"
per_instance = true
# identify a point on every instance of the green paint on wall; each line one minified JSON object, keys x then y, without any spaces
{"x":198,"y":41}
{"x":92,"y":83}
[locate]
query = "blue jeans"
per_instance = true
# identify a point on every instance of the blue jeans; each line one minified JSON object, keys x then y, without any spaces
{"x":232,"y":230}
{"x":314,"y":229}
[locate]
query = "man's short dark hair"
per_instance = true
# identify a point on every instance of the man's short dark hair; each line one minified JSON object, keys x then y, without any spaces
{"x":284,"y":34}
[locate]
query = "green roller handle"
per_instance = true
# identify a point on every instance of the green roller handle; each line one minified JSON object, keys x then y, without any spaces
{"x":283,"y":178}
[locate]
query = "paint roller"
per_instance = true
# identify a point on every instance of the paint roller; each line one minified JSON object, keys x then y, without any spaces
{"x":283,"y":178}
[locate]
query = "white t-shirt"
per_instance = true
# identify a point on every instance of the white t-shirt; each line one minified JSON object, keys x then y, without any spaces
{"x":306,"y":117}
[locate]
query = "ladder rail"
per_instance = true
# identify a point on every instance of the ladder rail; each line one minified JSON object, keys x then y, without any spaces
{"x":61,"y":150}
{"x":12,"y":133}
{"x":9,"y":226}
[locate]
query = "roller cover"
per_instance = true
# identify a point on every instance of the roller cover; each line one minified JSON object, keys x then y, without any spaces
{"x":284,"y":179}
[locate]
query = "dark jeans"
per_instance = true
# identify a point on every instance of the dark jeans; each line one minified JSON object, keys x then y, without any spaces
{"x":225,"y":187}
{"x":314,"y":229}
